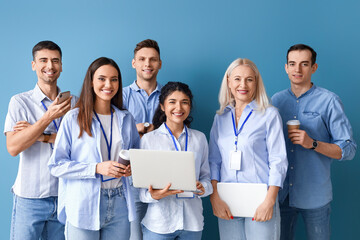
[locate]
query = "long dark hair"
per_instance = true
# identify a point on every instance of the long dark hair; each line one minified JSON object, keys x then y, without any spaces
{"x":87,"y":95}
{"x":159,"y":116}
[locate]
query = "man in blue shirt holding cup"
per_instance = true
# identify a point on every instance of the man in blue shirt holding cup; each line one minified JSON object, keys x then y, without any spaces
{"x":325,"y":134}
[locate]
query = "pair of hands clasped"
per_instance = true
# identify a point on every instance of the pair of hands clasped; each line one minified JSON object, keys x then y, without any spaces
{"x":158,"y":194}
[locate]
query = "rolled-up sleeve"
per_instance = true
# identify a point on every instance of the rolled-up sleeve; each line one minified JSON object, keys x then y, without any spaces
{"x":276,"y":147}
{"x":340,"y":130}
{"x":15,"y":113}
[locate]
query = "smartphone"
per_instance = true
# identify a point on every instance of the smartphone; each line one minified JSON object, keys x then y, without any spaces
{"x":63,"y":96}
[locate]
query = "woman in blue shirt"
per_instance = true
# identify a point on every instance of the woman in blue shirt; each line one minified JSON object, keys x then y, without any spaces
{"x":95,"y":200}
{"x":247,"y":146}
{"x":173,"y":214}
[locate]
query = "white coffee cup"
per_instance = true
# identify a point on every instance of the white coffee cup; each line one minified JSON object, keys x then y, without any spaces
{"x":293,"y":124}
{"x":124,"y":157}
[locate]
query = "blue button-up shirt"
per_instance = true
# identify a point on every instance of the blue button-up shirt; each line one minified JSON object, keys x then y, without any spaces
{"x":322,"y":116}
{"x":74,"y":162}
{"x":139,"y":103}
{"x":170,"y":214}
{"x":261,"y":143}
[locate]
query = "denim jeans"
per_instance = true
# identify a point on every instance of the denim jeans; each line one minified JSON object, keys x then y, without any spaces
{"x":317,"y":221}
{"x":35,"y":219}
{"x":178,"y":235}
{"x":141,"y":208}
{"x":114,"y":223}
{"x":243,"y":228}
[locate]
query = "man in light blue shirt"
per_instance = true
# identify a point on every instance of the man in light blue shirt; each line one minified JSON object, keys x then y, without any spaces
{"x":141,"y":99}
{"x":30,"y":127}
{"x":325,"y":134}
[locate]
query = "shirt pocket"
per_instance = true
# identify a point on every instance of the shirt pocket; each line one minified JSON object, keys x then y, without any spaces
{"x":315,"y":126}
{"x":310,"y":115}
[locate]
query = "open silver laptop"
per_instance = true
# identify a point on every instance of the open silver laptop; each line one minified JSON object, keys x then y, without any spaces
{"x":158,"y":168}
{"x":242,"y":198}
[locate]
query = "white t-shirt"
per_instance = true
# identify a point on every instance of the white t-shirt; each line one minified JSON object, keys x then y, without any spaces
{"x":115,"y":147}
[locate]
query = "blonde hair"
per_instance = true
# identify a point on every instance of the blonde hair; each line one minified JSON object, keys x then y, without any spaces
{"x":225,"y":95}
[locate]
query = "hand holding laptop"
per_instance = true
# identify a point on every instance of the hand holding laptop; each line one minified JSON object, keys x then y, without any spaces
{"x":264,"y":212}
{"x":220,"y":208}
{"x":158,"y":194}
{"x":200,"y":189}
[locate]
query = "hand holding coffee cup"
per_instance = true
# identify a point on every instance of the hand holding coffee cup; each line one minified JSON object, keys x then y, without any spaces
{"x":293,"y":124}
{"x":124,"y":160}
{"x":124,"y":157}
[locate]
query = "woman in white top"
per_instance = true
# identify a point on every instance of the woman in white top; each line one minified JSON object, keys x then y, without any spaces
{"x":95,"y":200}
{"x":172,"y":214}
{"x":247,"y":146}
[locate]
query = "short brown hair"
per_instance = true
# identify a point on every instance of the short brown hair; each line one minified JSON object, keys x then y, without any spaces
{"x":45,"y":45}
{"x":148,"y":43}
{"x":300,"y":47}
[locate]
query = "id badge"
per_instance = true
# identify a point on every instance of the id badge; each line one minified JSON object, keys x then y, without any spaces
{"x":235,"y":160}
{"x":185,"y":195}
{"x":106,"y":178}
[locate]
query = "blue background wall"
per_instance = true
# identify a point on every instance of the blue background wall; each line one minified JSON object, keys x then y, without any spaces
{"x":198,"y":40}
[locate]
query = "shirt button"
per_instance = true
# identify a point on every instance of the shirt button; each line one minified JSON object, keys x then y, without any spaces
{"x":290,"y":184}
{"x":294,"y":116}
{"x":297,"y":101}
{"x":291,"y":168}
{"x":292,"y":150}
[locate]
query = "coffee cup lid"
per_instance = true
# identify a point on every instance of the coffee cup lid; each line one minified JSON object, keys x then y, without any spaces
{"x":124,"y":154}
{"x":293,"y":122}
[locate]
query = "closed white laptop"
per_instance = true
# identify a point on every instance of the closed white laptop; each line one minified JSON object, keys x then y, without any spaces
{"x":158,"y":168}
{"x":242,"y":198}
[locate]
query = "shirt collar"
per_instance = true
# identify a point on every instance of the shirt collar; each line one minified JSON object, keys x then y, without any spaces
{"x":251,"y":106}
{"x":39,"y":96}
{"x":135,"y":87}
{"x":312,"y":89}
{"x":163,"y":130}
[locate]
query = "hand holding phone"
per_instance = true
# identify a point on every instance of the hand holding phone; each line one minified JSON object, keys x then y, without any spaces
{"x":63,"y":96}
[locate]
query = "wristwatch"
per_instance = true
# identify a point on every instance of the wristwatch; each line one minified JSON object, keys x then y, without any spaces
{"x":146,"y":126}
{"x":46,"y":137}
{"x":314,"y":144}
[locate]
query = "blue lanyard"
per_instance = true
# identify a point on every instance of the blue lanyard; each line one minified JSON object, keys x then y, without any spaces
{"x":235,"y":132}
{"x":57,"y":129}
{"x":102,"y":129}
{"x":173,"y":138}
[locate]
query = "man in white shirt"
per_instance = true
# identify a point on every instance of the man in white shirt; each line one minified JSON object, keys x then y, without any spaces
{"x":31,"y":124}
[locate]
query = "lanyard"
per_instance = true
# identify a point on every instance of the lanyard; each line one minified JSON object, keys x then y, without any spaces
{"x":102,"y":129}
{"x":57,"y":129}
{"x":235,"y":132}
{"x":173,"y":138}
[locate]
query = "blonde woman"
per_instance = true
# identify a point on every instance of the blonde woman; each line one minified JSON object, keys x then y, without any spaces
{"x":246,"y":126}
